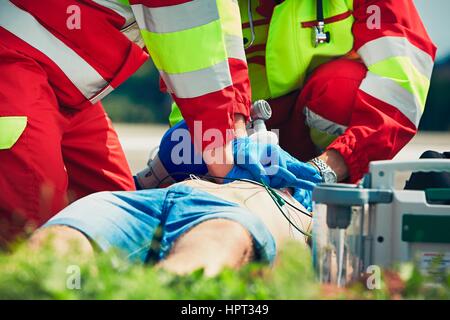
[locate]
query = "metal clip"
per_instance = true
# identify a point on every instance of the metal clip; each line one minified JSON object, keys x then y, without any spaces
{"x":320,"y":36}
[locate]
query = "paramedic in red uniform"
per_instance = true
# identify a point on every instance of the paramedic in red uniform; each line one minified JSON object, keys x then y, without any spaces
{"x":55,"y":137}
{"x":347,"y":80}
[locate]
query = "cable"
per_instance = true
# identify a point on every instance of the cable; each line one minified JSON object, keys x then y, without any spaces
{"x":269,"y":191}
{"x":236,"y":179}
{"x":319,"y":5}
{"x":299,"y":210}
{"x":277,"y":199}
{"x":179,"y":173}
{"x":252,"y":27}
{"x":262,"y":185}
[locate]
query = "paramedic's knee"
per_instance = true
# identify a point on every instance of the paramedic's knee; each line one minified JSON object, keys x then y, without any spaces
{"x":331,"y":89}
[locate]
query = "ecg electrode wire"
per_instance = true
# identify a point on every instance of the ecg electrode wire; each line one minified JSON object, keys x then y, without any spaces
{"x":272,"y":193}
{"x":233,"y":179}
{"x":263,"y":185}
{"x":275,"y":200}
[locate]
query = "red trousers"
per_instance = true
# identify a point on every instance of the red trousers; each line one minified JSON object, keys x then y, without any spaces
{"x":61,"y":155}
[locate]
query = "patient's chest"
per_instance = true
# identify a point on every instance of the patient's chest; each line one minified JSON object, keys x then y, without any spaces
{"x":256,"y":200}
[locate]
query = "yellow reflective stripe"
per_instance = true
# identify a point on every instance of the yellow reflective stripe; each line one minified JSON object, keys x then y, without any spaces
{"x":198,"y":83}
{"x":387,"y":47}
{"x":403,"y":72}
{"x":230,"y":17}
{"x":175,"y":115}
{"x":390,"y":92}
{"x":11,"y":128}
{"x":188,"y":50}
{"x":321,"y":139}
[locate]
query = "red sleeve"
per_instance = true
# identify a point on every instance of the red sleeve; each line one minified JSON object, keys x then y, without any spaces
{"x":216,"y":87}
{"x":390,"y":101}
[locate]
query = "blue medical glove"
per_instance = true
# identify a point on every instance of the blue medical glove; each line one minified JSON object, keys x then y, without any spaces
{"x":271,"y":164}
{"x":304,"y":197}
{"x":189,"y":163}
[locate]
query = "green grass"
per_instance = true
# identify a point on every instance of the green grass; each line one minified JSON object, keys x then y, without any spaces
{"x":40,"y":275}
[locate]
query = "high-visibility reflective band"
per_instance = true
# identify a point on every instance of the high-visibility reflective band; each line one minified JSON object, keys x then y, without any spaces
{"x":120,"y":8}
{"x":102,"y":94}
{"x":235,"y":47}
{"x":198,"y":83}
{"x":230,"y":17}
{"x":392,"y":93}
{"x":388,"y":47}
{"x":313,"y":120}
{"x":24,"y":26}
{"x":403,"y":72}
{"x":133,"y":33}
{"x":176,"y":17}
{"x":175,"y":115}
{"x":11,"y":128}
{"x":188,"y":50}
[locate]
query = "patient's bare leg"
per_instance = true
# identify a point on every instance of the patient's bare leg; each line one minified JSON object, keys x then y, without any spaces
{"x":211,"y":245}
{"x":64,"y":241}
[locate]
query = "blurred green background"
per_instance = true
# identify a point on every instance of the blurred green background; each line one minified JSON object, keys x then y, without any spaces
{"x":437,"y":111}
{"x":139,"y":99}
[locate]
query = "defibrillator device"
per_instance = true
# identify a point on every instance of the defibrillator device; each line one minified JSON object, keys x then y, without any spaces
{"x":357,"y":227}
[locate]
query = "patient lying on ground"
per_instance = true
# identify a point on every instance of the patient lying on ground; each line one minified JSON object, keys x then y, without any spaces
{"x":190,"y":225}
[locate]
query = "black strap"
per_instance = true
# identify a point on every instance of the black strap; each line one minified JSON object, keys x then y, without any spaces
{"x":320,"y":17}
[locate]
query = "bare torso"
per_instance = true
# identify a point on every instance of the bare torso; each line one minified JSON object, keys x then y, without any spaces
{"x":256,"y":200}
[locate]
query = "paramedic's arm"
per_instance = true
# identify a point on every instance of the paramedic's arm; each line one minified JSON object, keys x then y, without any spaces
{"x":399,"y":56}
{"x":336,"y":162}
{"x":198,"y":49}
{"x":216,"y":168}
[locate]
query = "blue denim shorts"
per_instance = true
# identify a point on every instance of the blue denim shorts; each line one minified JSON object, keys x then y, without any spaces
{"x":145,"y":224}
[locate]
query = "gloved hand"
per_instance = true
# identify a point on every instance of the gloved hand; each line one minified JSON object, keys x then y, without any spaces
{"x":183,"y":159}
{"x":174,"y":161}
{"x":254,"y":161}
{"x":272,"y":164}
